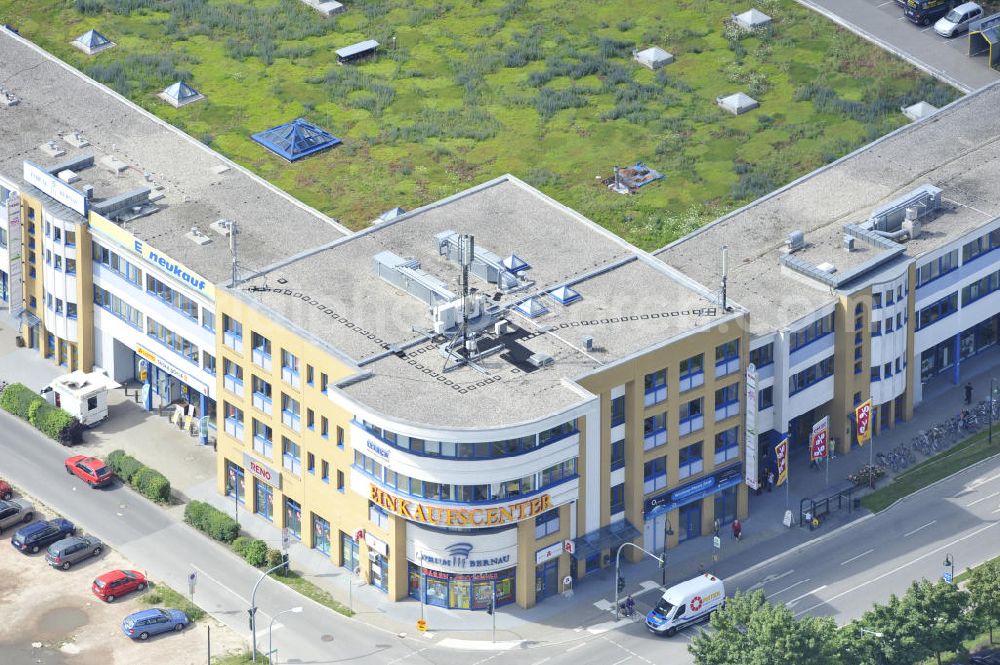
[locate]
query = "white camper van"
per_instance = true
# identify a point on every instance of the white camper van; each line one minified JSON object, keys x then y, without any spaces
{"x":81,"y":394}
{"x":686,"y":603}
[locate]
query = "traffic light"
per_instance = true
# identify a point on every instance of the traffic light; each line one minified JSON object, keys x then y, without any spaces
{"x":491,"y":606}
{"x":621,"y":584}
{"x":284,"y":560}
{"x":663,"y":562}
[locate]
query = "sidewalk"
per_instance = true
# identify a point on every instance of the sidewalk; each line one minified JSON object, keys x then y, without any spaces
{"x":190,"y":467}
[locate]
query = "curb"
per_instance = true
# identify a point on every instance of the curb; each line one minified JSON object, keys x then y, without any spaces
{"x":938,"y":481}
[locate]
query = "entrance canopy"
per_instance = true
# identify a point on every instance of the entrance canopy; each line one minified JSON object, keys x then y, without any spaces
{"x":605,"y":538}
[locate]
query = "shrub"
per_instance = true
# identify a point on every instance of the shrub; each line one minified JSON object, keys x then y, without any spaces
{"x":151,"y":484}
{"x":211,"y":521}
{"x":194,"y":514}
{"x":241,"y":544}
{"x":275,"y":557}
{"x":54,"y":422}
{"x":256,"y":553}
{"x":34,"y":407}
{"x":129,"y":467}
{"x":17,"y":398}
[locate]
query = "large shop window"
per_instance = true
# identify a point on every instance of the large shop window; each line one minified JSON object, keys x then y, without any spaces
{"x":293,"y":518}
{"x":320,"y":534}
{"x":471,"y":449}
{"x":461,"y":591}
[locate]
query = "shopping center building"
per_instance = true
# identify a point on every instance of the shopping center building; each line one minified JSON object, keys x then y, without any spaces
{"x":490,"y":393}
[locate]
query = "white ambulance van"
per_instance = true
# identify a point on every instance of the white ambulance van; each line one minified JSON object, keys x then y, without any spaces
{"x":686,"y":603}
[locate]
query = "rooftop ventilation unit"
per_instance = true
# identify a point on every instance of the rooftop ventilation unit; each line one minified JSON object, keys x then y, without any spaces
{"x":197,"y":237}
{"x":407,"y":276}
{"x":222,"y":226}
{"x":849,"y":243}
{"x":540,"y":359}
{"x":827,"y":267}
{"x":486,"y":265}
{"x":7,"y":98}
{"x":76,"y":140}
{"x":889,"y":217}
{"x":796,"y":240}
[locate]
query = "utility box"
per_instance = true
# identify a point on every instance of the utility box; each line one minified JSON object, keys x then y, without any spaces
{"x":83,"y":395}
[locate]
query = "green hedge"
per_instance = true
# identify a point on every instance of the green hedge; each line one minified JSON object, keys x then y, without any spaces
{"x":211,"y":521}
{"x":52,"y":421}
{"x":149,"y":482}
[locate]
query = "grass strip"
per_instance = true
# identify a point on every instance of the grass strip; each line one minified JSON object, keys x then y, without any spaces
{"x":309,"y":590}
{"x":161,"y":594}
{"x":932,"y":469}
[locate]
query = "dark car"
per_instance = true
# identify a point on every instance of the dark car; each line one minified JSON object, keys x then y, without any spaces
{"x":64,"y":553}
{"x":925,"y":12}
{"x":38,"y":535}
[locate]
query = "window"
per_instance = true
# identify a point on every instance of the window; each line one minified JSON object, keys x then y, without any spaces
{"x":889,"y":297}
{"x":692,"y":372}
{"x":232,"y":333}
{"x":548,"y":436}
{"x":876,"y":301}
{"x":324,"y":430}
{"x":70,"y":238}
{"x":981,"y":288}
{"x":71,"y":310}
{"x":208,"y":362}
{"x":57,"y":264}
{"x":290,"y":412}
{"x":118,"y":307}
{"x":763,"y":356}
{"x":727,"y":445}
{"x":70,"y":266}
{"x":309,"y":375}
{"x":261,"y":351}
{"x":310,"y":463}
{"x":937,"y":267}
{"x":106,"y":257}
{"x":811,"y":375}
{"x":656,"y":387}
{"x":888,"y":325}
{"x":618,"y":499}
{"x":59,"y":305}
{"x":340,"y":481}
{"x":618,"y":411}
{"x":690,"y":460}
{"x":654,"y":431}
{"x":172,"y":297}
{"x":876,"y":374}
{"x":325,"y":473}
{"x":811,"y":332}
{"x":289,"y":368}
{"x":291,"y":456}
{"x":876,"y":328}
{"x":207,"y":319}
{"x":262,"y":439}
{"x":899,"y":365}
{"x":233,"y":420}
{"x":172,"y":340}
{"x":727,"y":358}
{"x":691,"y":417}
{"x":323,"y":382}
{"x":981,"y":245}
{"x":765,"y":398}
{"x":547,"y":523}
{"x":377,"y":516}
{"x":558,"y":473}
{"x":899,"y":320}
{"x":618,"y":455}
{"x":937,"y":310}
{"x":654,"y":475}
{"x":310,"y":419}
{"x":727,"y":401}
{"x":262,"y":395}
{"x":887,"y":370}
{"x":232,"y":376}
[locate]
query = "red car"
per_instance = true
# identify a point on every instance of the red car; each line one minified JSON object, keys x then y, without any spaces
{"x":91,"y":470}
{"x":117,"y":583}
{"x":6,"y":491}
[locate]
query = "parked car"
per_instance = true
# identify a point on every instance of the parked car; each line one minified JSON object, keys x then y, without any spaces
{"x":924,"y":12}
{"x":140,"y":625}
{"x":6,"y":491}
{"x":958,"y":19}
{"x":37,"y":535}
{"x":986,"y":659}
{"x":117,"y":583}
{"x":91,"y":470}
{"x":15,"y":511}
{"x":64,"y":553}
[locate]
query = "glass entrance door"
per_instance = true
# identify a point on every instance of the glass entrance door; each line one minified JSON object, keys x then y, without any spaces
{"x":690,"y":517}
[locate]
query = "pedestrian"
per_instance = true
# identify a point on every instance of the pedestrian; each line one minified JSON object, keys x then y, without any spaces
{"x":770,"y":480}
{"x":760,"y":483}
{"x":737,"y":529}
{"x":968,"y":393}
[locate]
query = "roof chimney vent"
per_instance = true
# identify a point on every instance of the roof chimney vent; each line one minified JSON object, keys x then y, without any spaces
{"x":588,"y":343}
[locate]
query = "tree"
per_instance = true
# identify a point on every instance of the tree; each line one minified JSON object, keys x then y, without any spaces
{"x":939,"y":611}
{"x":984,"y":593}
{"x":750,"y":631}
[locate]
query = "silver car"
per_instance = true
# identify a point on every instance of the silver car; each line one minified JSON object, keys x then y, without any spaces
{"x":64,"y":553}
{"x":15,"y":511}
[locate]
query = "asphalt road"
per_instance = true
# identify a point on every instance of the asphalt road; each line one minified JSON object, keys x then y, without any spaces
{"x":882,"y":21}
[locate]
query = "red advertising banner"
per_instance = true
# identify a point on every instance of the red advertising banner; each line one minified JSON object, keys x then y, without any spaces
{"x":818,"y":444}
{"x":781,"y":456}
{"x":863,"y":416}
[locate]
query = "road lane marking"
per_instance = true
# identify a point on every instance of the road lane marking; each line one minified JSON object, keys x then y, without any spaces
{"x":907,"y":535}
{"x":574,"y":648}
{"x":855,"y":558}
{"x":775,"y":593}
{"x":769,"y":578}
{"x":887,"y":2}
{"x":983,"y":499}
{"x":622,"y":660}
{"x":201,"y":572}
{"x":543,"y":660}
{"x":809,"y":593}
{"x":899,"y":568}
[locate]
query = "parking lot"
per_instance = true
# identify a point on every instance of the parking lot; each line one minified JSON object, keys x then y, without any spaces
{"x":884,"y":23}
{"x":52,"y":618}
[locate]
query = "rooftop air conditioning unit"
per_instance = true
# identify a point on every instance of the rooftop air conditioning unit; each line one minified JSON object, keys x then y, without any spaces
{"x":796,"y":240}
{"x":540,"y":359}
{"x":912,"y":227}
{"x":849,"y":243}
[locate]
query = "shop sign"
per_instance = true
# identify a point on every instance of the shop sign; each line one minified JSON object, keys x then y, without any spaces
{"x":376,"y":545}
{"x":377,"y":449}
{"x":15,"y":282}
{"x":152,"y":256}
{"x":173,"y":371}
{"x":55,"y":188}
{"x":550,"y":552}
{"x":699,"y":489}
{"x":263,"y":471}
{"x":750,"y":442}
{"x":437,"y":515}
{"x":460,"y":577}
{"x":461,"y":555}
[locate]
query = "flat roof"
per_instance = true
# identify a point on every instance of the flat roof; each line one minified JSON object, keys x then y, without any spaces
{"x":629,"y":303}
{"x":354,"y":49}
{"x":954,"y":149}
{"x":199,"y":185}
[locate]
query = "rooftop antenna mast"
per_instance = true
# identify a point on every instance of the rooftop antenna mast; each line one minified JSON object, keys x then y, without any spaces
{"x":725,"y":274}
{"x":466,"y":253}
{"x":232,"y":247}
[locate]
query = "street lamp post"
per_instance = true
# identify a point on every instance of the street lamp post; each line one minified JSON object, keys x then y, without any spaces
{"x":270,"y":626}
{"x":619,"y":581}
{"x":949,"y":562}
{"x":874,"y":633}
{"x":423,"y":583}
{"x":253,"y":611}
{"x":667,"y":531}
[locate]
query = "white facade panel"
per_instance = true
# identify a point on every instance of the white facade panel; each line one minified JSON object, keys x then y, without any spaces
{"x":815,"y":395}
{"x":451,"y":552}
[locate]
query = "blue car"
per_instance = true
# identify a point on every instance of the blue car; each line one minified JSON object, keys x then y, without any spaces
{"x":39,"y":535}
{"x":140,"y":625}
